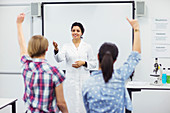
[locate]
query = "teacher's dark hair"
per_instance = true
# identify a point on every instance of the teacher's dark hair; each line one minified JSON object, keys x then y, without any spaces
{"x":108,"y":53}
{"x":79,"y":25}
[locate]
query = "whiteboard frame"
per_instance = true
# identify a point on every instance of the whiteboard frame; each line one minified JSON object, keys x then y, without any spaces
{"x":98,"y":2}
{"x":81,"y":3}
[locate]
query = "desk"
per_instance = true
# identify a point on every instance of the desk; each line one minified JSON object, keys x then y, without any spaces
{"x":138,"y":86}
{"x":7,"y":101}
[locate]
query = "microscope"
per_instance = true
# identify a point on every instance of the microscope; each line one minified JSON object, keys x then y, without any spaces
{"x":157,"y":72}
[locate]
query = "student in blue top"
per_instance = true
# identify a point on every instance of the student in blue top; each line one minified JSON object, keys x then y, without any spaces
{"x":104,"y":91}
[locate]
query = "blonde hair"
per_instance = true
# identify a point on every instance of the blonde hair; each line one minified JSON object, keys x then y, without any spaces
{"x":37,"y":46}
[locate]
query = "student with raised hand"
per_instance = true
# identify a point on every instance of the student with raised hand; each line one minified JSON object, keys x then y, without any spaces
{"x":105,"y":91}
{"x":79,"y":60}
{"x":43,"y":82}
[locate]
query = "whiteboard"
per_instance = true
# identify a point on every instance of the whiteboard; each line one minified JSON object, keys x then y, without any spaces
{"x":103,"y":22}
{"x":9,"y":47}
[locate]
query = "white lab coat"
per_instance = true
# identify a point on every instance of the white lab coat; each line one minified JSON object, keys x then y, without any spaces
{"x":75,"y":76}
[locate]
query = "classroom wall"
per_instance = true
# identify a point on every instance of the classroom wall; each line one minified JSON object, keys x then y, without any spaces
{"x":11,"y":85}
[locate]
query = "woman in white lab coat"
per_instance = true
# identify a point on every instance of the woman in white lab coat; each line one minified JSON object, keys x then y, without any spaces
{"x":79,"y":60}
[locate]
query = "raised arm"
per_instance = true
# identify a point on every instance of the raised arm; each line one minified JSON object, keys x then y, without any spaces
{"x":136,"y":42}
{"x":21,"y":40}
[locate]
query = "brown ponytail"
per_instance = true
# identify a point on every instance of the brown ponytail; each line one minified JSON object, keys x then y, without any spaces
{"x":107,"y":66}
{"x":108,"y":53}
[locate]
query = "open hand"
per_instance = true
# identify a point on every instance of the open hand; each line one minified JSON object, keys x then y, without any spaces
{"x":55,"y":46}
{"x":133,"y":23}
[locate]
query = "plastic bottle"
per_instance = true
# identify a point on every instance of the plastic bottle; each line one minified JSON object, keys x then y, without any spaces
{"x":168,"y":76}
{"x":164,"y":76}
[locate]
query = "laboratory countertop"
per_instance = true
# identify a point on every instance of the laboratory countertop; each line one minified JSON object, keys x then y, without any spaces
{"x":146,"y":85}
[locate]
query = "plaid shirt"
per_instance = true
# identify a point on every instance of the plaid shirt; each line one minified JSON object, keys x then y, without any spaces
{"x":40,"y":80}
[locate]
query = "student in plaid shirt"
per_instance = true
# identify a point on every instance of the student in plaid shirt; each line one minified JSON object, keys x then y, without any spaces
{"x":43,"y":82}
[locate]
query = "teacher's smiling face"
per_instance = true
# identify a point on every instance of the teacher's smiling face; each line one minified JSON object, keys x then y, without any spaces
{"x":76,"y":32}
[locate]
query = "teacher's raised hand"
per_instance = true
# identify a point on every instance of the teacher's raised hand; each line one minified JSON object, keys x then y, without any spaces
{"x":55,"y":45}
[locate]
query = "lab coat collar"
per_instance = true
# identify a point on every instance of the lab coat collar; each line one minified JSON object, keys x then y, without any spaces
{"x":81,"y":42}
